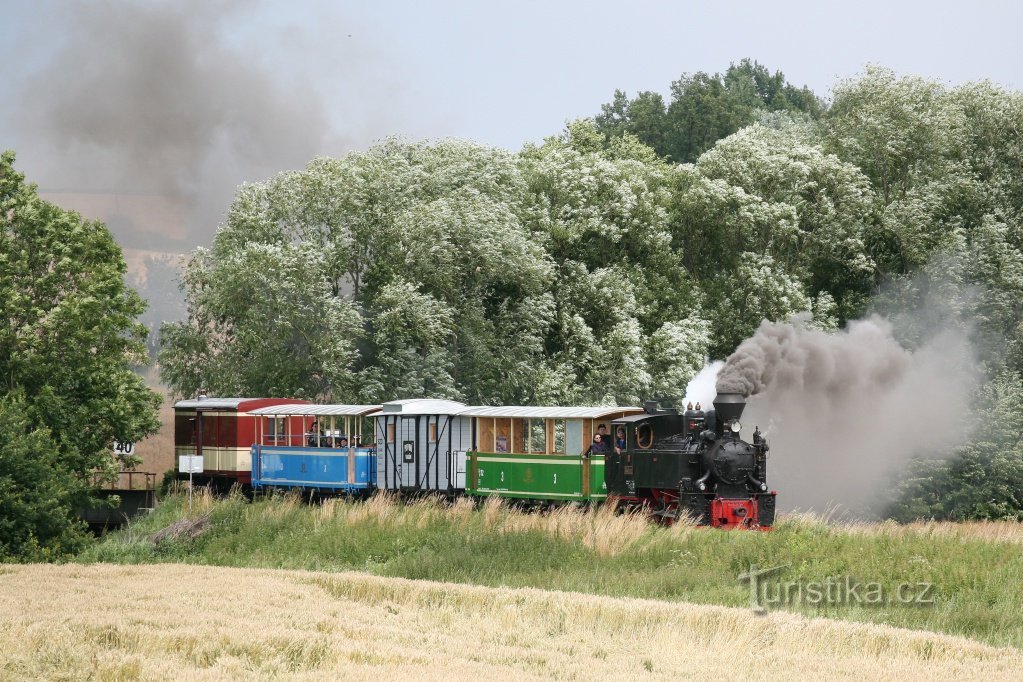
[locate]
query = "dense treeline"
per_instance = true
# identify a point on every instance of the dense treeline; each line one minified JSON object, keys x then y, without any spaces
{"x":594,"y":268}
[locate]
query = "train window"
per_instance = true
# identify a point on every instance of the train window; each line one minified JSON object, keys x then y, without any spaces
{"x":432,"y":430}
{"x":559,"y":437}
{"x":390,"y":433}
{"x":503,"y":435}
{"x":184,"y":430}
{"x":538,"y":436}
{"x":275,"y":430}
{"x":645,"y":436}
{"x":521,"y":431}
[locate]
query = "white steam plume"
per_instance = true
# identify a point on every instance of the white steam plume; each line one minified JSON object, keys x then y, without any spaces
{"x":702,"y":387}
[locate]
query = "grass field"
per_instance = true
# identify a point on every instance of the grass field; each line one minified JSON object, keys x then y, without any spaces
{"x":178,"y":621}
{"x":976,"y":569}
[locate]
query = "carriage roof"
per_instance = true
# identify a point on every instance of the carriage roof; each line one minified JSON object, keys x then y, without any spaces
{"x":421,"y":406}
{"x":317,"y":410}
{"x":239,"y":404}
{"x":528,"y":412}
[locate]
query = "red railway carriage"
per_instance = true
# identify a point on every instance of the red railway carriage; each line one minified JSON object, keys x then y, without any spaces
{"x":222,"y":431}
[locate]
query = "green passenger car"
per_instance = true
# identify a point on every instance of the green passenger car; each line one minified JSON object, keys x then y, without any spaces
{"x":540,"y":453}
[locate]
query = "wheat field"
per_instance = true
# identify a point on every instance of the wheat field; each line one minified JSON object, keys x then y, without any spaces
{"x":179,"y":621}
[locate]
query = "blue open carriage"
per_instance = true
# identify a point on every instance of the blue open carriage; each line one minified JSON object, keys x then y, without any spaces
{"x":315,"y":448}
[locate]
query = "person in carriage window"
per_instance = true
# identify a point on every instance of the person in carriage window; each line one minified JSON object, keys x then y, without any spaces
{"x":598,"y":447}
{"x":620,"y":439}
{"x":342,"y":443}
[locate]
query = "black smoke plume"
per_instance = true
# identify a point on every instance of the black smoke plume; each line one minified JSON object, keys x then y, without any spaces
{"x":178,"y":100}
{"x":845,"y":411}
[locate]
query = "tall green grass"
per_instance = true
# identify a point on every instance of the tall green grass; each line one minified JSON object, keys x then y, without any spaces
{"x":977,"y":575}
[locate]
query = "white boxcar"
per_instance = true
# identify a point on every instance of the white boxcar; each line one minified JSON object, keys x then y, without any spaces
{"x":421,"y":445}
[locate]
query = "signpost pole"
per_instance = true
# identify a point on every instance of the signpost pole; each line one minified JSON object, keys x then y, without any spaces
{"x":190,"y":464}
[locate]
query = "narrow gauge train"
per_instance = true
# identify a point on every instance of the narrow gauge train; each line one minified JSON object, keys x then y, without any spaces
{"x":673,"y":464}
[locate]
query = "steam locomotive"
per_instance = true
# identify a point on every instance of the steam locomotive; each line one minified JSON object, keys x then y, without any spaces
{"x":695,"y":464}
{"x":674,"y":464}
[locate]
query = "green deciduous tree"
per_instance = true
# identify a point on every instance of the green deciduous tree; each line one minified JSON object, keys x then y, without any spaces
{"x":39,"y":494}
{"x":68,"y":337}
{"x":704,"y":108}
{"x":408,"y":268}
{"x":602,"y":215}
{"x":816,"y":209}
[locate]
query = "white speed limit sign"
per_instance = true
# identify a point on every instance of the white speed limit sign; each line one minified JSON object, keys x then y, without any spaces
{"x":124,"y":448}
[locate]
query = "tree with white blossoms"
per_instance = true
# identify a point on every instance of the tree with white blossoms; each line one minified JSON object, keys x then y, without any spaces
{"x":450,"y":270}
{"x":262,"y":321}
{"x":770,"y":226}
{"x":907,"y":136}
{"x":761,"y":290}
{"x":601,"y":214}
{"x":820,"y":208}
{"x":404,"y":269}
{"x":676,"y":352}
{"x":948,"y":240}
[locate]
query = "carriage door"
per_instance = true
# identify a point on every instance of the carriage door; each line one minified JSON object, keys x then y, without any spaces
{"x":615,"y":469}
{"x":408,"y":452}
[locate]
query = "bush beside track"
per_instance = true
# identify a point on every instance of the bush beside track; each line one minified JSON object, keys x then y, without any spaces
{"x":977,"y":568}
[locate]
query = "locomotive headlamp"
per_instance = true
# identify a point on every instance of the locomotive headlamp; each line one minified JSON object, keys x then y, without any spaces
{"x":701,"y":485}
{"x":735,"y":426}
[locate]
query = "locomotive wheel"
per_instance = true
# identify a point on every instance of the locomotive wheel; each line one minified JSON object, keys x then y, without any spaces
{"x":665,"y":509}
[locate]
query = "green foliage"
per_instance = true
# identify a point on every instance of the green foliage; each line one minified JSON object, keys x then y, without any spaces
{"x":602,"y":215}
{"x":38,"y":492}
{"x":408,"y":267}
{"x":68,"y":337}
{"x":293,"y":338}
{"x":447,"y":270}
{"x":943,"y":164}
{"x":704,"y":108}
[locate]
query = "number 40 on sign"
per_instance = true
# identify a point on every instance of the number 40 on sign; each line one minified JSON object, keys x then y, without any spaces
{"x":124,"y":448}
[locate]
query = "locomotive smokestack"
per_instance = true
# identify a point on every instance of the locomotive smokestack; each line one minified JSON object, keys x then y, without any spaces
{"x":729,"y":406}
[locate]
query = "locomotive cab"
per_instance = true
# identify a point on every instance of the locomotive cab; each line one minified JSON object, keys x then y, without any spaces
{"x":694,"y":463}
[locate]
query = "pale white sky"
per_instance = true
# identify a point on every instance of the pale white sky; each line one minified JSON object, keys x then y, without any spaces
{"x":265,"y":86}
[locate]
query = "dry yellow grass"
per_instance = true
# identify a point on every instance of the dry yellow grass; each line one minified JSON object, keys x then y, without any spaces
{"x":601,"y":529}
{"x":990,"y":531}
{"x":178,"y":621}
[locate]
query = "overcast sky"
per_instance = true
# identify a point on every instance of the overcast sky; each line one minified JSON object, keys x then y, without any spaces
{"x":186,"y":100}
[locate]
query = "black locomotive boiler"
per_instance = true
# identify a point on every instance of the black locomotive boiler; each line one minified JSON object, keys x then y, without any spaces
{"x":694,"y":464}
